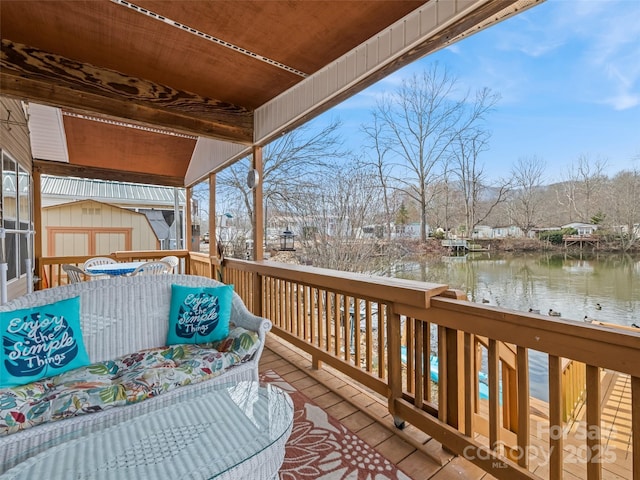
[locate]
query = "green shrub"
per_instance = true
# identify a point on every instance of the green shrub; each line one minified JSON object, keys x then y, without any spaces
{"x":555,"y":236}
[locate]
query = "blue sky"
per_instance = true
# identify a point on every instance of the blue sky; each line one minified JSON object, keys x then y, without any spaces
{"x":568,"y":73}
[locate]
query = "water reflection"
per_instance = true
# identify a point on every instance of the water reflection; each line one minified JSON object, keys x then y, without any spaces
{"x":570,"y":284}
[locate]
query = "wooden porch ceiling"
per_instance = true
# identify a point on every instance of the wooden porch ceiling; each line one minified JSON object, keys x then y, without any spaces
{"x":195,"y":67}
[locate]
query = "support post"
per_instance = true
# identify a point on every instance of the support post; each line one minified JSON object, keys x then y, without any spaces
{"x":37,"y":226}
{"x":214,"y":247}
{"x":258,"y":223}
{"x":188,"y":243}
{"x":394,"y":360}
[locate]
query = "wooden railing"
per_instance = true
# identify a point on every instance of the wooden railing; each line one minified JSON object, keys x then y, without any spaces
{"x":383,"y":332}
{"x":51,"y":273}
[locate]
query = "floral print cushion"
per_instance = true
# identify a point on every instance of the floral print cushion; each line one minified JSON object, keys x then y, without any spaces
{"x":128,"y":379}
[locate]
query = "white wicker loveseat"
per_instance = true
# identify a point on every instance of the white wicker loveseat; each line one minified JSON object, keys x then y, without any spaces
{"x":120,"y":316}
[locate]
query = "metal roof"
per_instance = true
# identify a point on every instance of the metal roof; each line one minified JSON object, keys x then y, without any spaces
{"x":71,"y":188}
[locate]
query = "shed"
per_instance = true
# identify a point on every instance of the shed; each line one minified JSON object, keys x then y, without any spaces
{"x":88,"y":227}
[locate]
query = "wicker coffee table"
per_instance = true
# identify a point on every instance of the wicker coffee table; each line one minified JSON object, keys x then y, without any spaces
{"x":238,"y":431}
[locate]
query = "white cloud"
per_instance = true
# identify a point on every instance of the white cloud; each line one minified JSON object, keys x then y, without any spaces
{"x":613,"y":52}
{"x":454,"y":48}
{"x":623,"y":101}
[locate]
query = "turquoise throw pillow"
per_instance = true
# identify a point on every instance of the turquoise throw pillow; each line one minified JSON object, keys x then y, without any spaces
{"x":199,"y":314}
{"x":41,"y":342}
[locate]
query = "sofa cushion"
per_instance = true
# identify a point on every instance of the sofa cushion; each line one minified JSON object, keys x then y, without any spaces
{"x":41,"y":342}
{"x":128,"y":379}
{"x":199,"y":314}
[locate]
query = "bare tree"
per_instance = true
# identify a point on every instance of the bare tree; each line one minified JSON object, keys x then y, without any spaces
{"x":421,"y":119}
{"x":472,"y":182}
{"x":527,"y":179}
{"x":335,"y":219}
{"x":583,"y":184}
{"x":289,"y":165}
{"x":379,"y":149}
{"x":625,"y":207}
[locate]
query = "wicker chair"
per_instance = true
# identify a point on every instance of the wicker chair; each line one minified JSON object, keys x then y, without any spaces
{"x":171,"y":260}
{"x":153,"y":268}
{"x":74,"y":274}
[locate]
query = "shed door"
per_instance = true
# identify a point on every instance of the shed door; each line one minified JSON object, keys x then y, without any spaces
{"x":70,"y":241}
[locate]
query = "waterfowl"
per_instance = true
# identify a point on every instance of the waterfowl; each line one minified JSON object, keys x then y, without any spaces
{"x":534,"y":310}
{"x":484,"y":300}
{"x":588,"y":319}
{"x":635,"y":325}
{"x":598,"y":306}
{"x":553,"y":313}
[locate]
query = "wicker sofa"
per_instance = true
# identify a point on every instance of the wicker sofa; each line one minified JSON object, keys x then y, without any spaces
{"x":121,"y":316}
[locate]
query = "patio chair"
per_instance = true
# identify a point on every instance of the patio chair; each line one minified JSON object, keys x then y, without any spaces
{"x":171,"y":260}
{"x":157,"y":267}
{"x":74,"y":274}
{"x":97,"y":261}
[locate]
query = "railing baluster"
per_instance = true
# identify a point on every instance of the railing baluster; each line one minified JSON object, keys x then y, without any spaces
{"x":426,"y":338}
{"x":419,"y":375}
{"x":412,"y":354}
{"x":494,"y":395}
{"x":442,"y":375}
{"x":382,"y":332}
{"x":273,"y":297}
{"x":357,"y":334}
{"x":322,"y":342}
{"x":337,"y":324}
{"x":290,"y":299}
{"x":347,"y":319}
{"x":522,"y":375}
{"x":594,"y":447}
{"x":555,"y":418}
{"x":469,"y":387}
{"x":369,"y":336}
{"x":299,"y":311}
{"x":308,"y":319}
{"x":635,"y":425}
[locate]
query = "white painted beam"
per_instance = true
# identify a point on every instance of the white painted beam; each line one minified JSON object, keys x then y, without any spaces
{"x":211,"y":155}
{"x":47,"y":135}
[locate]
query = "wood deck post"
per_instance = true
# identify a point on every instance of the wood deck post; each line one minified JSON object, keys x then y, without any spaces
{"x":258,"y":214}
{"x":394,"y":361}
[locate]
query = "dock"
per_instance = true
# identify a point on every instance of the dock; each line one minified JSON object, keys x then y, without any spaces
{"x":463,"y":244}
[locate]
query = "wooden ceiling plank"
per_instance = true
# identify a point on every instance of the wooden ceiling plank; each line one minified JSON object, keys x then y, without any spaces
{"x":51,"y":79}
{"x":287,"y":112}
{"x":60,"y":169}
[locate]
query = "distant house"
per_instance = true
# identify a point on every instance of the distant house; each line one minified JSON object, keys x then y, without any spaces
{"x":510,"y":231}
{"x":398,"y":231}
{"x":371,"y":231}
{"x":582,"y":228}
{"x":482,"y":231}
{"x":624,"y":229}
{"x":408,"y":230}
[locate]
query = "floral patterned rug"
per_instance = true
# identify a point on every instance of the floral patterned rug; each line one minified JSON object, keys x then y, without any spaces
{"x":321,"y":448}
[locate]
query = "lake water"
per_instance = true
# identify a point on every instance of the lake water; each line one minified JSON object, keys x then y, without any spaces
{"x":570,"y":284}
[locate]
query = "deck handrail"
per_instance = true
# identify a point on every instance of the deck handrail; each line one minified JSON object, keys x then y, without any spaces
{"x":307,"y":307}
{"x":50,"y":271}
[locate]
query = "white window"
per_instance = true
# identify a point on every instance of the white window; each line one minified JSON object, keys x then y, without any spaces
{"x":16,"y":217}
